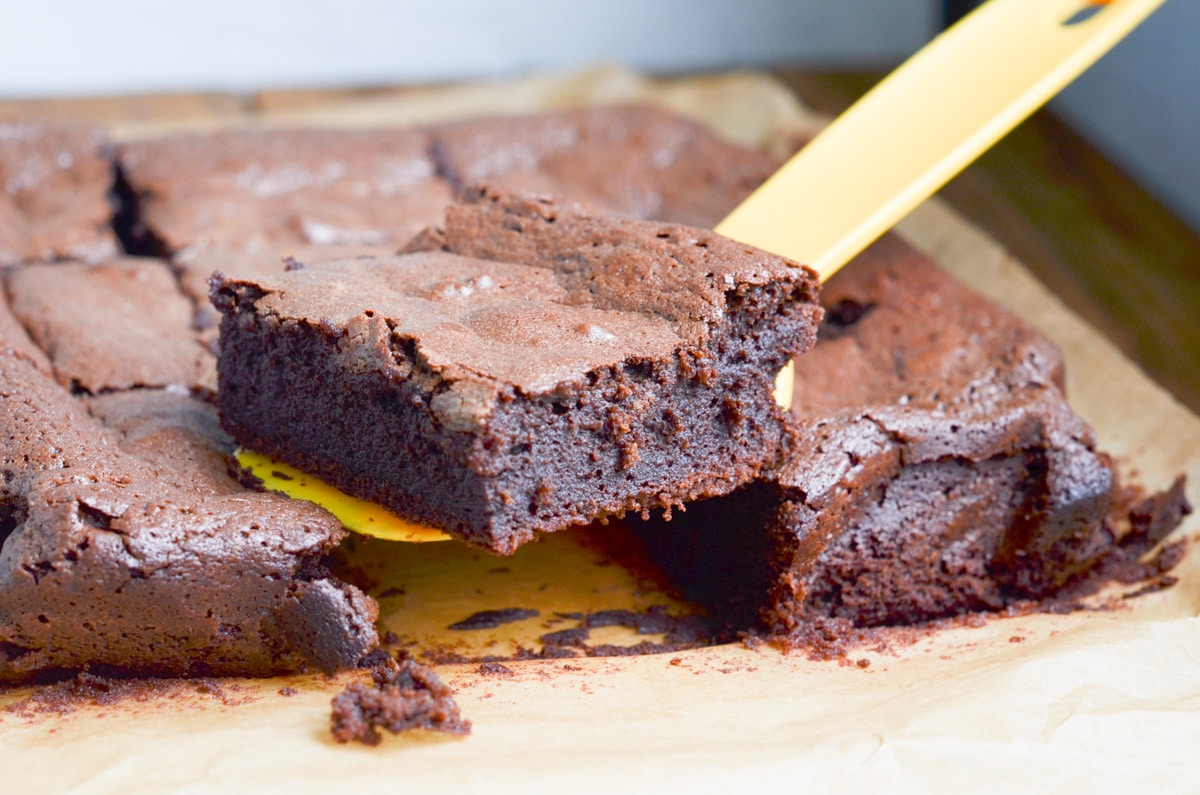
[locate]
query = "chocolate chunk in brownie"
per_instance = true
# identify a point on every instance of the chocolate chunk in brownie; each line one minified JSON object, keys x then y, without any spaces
{"x":112,"y":326}
{"x":635,"y":161}
{"x":54,"y":194}
{"x":537,"y":367}
{"x":126,"y":546}
{"x":937,"y":470}
{"x":247,"y":190}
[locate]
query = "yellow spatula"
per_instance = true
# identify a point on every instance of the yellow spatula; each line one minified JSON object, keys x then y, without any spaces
{"x":927,"y":121}
{"x":902,"y":141}
{"x":924,"y":123}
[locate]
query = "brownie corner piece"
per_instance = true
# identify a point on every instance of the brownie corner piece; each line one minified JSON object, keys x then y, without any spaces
{"x":537,"y":367}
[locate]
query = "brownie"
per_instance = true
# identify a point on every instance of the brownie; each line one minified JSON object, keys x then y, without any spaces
{"x":268,"y":190}
{"x":112,"y":326}
{"x":126,"y":546}
{"x":937,"y":470}
{"x":55,"y":199}
{"x":404,"y":696}
{"x":636,"y":161}
{"x":534,"y":367}
{"x":250,"y":190}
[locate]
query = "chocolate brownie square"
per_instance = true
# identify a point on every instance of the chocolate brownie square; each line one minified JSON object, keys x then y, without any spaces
{"x":250,"y":190}
{"x":54,"y":194}
{"x":533,"y":367}
{"x":112,"y":326}
{"x":126,"y":546}
{"x":635,"y":161}
{"x":937,"y":470}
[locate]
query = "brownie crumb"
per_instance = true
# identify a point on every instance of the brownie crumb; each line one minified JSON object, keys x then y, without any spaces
{"x":288,"y":691}
{"x":87,"y":689}
{"x":548,"y":652}
{"x":489,"y":619}
{"x":494,"y":669}
{"x":576,"y":638}
{"x":823,"y":639}
{"x":654,"y":621}
{"x":842,"y":315}
{"x":636,"y":650}
{"x":679,"y":633}
{"x":405,"y":695}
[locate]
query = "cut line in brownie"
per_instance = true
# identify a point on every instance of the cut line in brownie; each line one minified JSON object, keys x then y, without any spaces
{"x":525,"y":368}
{"x":937,"y":470}
{"x":127,"y":547}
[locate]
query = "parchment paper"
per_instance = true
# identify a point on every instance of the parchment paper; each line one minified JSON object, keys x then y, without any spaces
{"x":1107,"y":700}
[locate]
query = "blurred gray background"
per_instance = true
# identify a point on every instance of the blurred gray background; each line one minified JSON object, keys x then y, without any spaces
{"x":1140,"y":105}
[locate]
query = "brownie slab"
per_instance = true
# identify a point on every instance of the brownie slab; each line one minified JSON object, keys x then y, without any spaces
{"x":249,"y":190}
{"x":532,"y":368}
{"x":125,"y":545}
{"x":937,"y":470}
{"x":54,"y":194}
{"x":252,"y":191}
{"x":635,"y":161}
{"x":113,"y":326}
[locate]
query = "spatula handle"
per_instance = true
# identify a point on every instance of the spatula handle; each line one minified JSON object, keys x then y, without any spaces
{"x":926,"y":122}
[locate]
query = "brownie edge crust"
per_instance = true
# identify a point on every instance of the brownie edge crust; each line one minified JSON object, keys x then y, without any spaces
{"x":525,"y":368}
